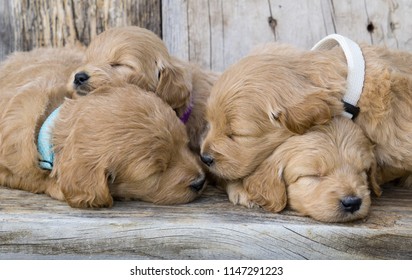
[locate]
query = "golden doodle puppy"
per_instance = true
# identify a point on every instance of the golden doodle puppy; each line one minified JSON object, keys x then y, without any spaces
{"x":138,"y":56}
{"x":117,"y":142}
{"x":281,"y":91}
{"x":55,"y":65}
{"x":326,"y":173}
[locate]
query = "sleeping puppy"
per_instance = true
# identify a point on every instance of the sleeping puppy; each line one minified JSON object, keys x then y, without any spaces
{"x":20,"y":69}
{"x":325,"y":173}
{"x":117,"y":142}
{"x":279,"y":91}
{"x":138,"y":56}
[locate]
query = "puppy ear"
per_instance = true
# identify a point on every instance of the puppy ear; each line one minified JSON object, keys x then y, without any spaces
{"x":317,"y":108}
{"x":266,"y":186}
{"x":83,"y":185}
{"x":372,"y":179}
{"x":174,"y":85}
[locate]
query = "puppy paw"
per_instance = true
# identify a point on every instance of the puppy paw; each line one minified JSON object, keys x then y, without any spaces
{"x":239,"y":196}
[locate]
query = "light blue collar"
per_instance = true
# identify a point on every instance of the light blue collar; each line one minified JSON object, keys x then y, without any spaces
{"x":44,"y":142}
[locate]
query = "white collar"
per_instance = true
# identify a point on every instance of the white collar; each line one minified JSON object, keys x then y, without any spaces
{"x":356,"y":70}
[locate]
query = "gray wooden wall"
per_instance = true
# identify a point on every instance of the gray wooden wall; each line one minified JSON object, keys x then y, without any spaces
{"x":213,"y":33}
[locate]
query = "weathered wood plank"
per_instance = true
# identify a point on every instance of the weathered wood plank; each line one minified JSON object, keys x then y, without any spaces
{"x":213,"y":33}
{"x":217,"y":33}
{"x":174,"y":22}
{"x":36,"y":226}
{"x":384,"y":22}
{"x":301,"y":23}
{"x":27,"y":24}
{"x":245,"y":24}
{"x":6,"y":30}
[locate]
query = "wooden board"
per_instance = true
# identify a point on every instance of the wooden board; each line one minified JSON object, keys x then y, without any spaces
{"x":213,"y":33}
{"x":217,"y":33}
{"x":27,"y":24}
{"x":38,"y":227}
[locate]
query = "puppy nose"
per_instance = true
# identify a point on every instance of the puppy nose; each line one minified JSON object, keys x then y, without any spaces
{"x":351,"y":203}
{"x":206,"y":159}
{"x":198,"y":184}
{"x":80,"y":78}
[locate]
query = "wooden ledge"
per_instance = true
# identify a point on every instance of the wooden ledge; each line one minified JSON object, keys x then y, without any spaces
{"x":38,"y":227}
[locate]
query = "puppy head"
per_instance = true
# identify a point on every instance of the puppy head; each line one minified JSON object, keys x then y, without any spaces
{"x":329,"y":172}
{"x":136,"y":56}
{"x":123,"y":143}
{"x":240,"y":133}
{"x":258,"y":103}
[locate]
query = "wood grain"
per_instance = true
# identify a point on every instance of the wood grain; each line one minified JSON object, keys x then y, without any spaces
{"x":28,"y":24}
{"x":212,"y":33}
{"x":36,"y":226}
{"x":6,"y":30}
{"x":217,"y":33}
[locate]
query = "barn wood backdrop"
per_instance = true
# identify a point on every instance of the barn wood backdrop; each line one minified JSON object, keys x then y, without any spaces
{"x":215,"y":34}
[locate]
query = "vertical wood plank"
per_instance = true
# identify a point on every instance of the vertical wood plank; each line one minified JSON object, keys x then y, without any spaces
{"x":301,"y":23}
{"x":6,"y":29}
{"x":391,"y":23}
{"x":28,"y":24}
{"x":351,"y":20}
{"x":383,"y":22}
{"x":245,"y":24}
{"x":378,"y":23}
{"x":199,"y":32}
{"x":217,"y":32}
{"x":175,"y":27}
{"x":400,"y":23}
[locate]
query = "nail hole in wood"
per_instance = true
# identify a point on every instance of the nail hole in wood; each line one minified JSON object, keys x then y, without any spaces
{"x":370,"y":27}
{"x":272,"y":22}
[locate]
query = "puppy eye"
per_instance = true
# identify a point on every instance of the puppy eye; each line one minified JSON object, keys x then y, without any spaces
{"x":118,"y":65}
{"x":235,"y":136}
{"x":310,"y":176}
{"x":231,"y":134}
{"x":115,"y":65}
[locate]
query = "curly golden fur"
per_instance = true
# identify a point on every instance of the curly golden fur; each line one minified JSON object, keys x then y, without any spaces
{"x":117,"y":142}
{"x":325,"y":174}
{"x":279,"y":91}
{"x":138,"y":56}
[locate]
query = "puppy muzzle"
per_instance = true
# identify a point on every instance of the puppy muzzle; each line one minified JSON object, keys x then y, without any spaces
{"x":80,"y":79}
{"x":207,"y":159}
{"x":351,"y":203}
{"x":198,"y":184}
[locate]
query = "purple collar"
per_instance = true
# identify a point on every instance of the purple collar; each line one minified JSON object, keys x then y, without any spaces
{"x":186,"y":115}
